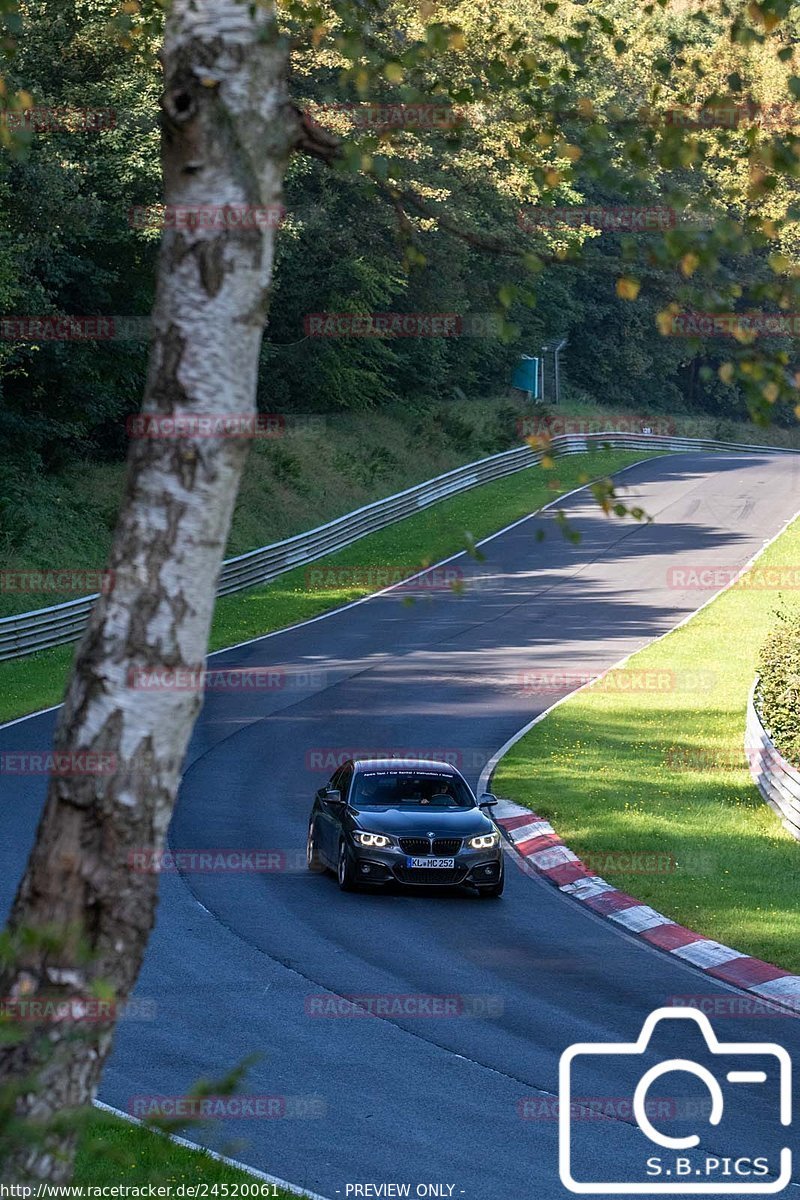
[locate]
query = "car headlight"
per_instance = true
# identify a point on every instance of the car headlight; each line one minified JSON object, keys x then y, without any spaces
{"x":378,"y":840}
{"x":484,"y":842}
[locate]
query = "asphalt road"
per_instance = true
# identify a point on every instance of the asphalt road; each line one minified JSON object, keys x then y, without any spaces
{"x":244,"y":962}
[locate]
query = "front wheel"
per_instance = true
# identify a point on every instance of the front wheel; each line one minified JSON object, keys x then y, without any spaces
{"x":313,"y":859}
{"x":344,"y":869}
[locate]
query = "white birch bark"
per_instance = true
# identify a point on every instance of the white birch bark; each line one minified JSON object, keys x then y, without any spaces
{"x":227,"y":134}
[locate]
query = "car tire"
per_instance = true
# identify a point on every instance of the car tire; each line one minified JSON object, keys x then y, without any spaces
{"x":494,"y":890}
{"x":345,"y":874}
{"x":313,"y":859}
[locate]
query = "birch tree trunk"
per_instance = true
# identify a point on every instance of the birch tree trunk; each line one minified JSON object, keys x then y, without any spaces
{"x":81,"y":915}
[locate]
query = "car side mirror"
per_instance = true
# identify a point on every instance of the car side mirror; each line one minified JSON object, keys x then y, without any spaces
{"x":487,"y":800}
{"x":332,"y":796}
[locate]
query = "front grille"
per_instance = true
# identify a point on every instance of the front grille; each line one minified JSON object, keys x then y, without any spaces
{"x":430,"y":875}
{"x":446,"y":847}
{"x":441,"y":847}
{"x":415,"y":845}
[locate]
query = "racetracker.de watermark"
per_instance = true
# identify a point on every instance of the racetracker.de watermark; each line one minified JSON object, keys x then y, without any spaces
{"x":620,"y":218}
{"x":743,"y":326}
{"x":734,"y":116}
{"x":43,"y":1010}
{"x":168,"y":426}
{"x":328,"y":758}
{"x":60,"y":582}
{"x":146,"y":860}
{"x":64,"y":764}
{"x":224,"y":679}
{"x":193,"y":217}
{"x":737,"y":1006}
{"x":227,"y":1108}
{"x":620,"y":680}
{"x":402,"y":325}
{"x":756,"y":579}
{"x":434,"y":579}
{"x":61,"y":118}
{"x":58,"y":327}
{"x":549,"y":427}
{"x":594,"y":1108}
{"x":630,"y":862}
{"x":382,"y":118}
{"x":698,"y":758}
{"x":400,"y":1004}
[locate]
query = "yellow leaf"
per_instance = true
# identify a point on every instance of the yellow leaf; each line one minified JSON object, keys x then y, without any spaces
{"x":689,"y":264}
{"x":366,"y":162}
{"x":797,"y":411}
{"x":457,"y":41}
{"x":394,"y":72}
{"x":665,"y":321}
{"x":586,"y":108}
{"x":552,"y":177}
{"x":769,"y":229}
{"x":130,"y":6}
{"x":544,"y":139}
{"x":628,"y":289}
{"x":770,"y":392}
{"x":726,"y":372}
{"x":207,"y":81}
{"x":779,"y":263}
{"x":25,"y":99}
{"x":317,"y":34}
{"x":571,"y":152}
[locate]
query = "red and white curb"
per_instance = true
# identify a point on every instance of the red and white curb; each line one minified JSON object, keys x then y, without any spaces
{"x":539,"y":846}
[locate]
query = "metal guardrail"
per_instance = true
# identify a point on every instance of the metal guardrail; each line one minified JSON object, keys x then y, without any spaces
{"x":776,"y":779}
{"x":61,"y":623}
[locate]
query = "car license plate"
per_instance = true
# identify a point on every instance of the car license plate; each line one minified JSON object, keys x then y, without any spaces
{"x":442,"y":863}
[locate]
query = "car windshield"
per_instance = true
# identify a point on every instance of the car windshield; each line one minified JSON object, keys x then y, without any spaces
{"x":410,"y":789}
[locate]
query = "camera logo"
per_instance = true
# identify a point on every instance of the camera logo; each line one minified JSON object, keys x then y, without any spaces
{"x":682,"y":1165}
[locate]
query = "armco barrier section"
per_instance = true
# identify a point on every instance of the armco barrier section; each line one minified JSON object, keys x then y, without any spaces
{"x":776,"y":779}
{"x":26,"y":632}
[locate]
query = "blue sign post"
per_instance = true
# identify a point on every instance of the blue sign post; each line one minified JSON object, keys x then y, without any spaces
{"x":526,"y":376}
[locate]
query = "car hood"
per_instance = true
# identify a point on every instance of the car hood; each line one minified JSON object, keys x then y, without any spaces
{"x":419,"y":821}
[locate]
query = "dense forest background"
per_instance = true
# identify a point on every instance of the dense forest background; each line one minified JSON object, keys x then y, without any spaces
{"x":536,"y":125}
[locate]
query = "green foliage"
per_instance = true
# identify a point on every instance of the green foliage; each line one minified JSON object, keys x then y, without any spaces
{"x":551,"y":105}
{"x":778,"y":696}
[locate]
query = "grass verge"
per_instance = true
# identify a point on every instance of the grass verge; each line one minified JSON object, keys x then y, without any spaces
{"x":112,"y":1151}
{"x":663,"y":772}
{"x":37,"y":681}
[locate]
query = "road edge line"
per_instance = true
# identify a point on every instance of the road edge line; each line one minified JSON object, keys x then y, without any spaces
{"x":229,"y":1162}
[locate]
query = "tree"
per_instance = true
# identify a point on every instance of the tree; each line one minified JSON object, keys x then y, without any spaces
{"x":81,"y":918}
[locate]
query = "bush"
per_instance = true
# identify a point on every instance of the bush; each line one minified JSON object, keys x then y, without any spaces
{"x":778,"y":693}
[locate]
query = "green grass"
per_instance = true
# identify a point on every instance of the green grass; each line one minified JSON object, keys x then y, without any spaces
{"x":112,"y":1151}
{"x":65,"y":521}
{"x":664,"y":772}
{"x":290,"y":484}
{"x":37,"y":681}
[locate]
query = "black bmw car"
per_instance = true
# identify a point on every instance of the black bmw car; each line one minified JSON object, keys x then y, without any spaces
{"x":384,"y":820}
